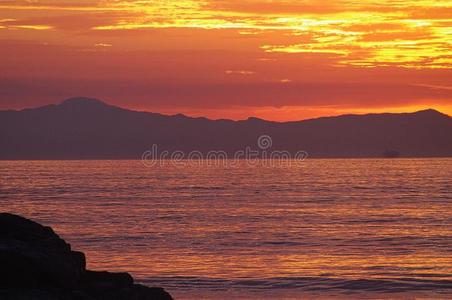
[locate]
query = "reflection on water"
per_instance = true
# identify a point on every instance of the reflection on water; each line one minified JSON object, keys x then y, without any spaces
{"x":323,"y":227}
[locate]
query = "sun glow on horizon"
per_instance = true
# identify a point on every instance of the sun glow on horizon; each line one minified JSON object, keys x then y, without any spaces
{"x":225,"y":50}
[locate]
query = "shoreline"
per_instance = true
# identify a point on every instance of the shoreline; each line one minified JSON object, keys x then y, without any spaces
{"x":37,"y":264}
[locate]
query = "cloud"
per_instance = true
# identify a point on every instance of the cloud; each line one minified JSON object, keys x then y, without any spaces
{"x":261,"y":94}
{"x":404,"y":33}
{"x":103,"y":45}
{"x":239,"y":72}
{"x":227,"y":54}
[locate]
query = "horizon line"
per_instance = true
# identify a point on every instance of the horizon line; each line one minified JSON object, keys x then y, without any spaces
{"x":93,"y":99}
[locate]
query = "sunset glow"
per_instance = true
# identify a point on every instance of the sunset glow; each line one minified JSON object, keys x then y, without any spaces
{"x":225,"y":149}
{"x":279,"y":60}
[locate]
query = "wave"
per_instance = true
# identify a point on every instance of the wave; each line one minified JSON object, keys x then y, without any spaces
{"x":305,"y":284}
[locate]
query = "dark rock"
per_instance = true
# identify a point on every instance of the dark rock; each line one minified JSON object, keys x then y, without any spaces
{"x":105,"y":280}
{"x":80,"y":260}
{"x":29,"y":294}
{"x":141,"y":292}
{"x":35,"y":263}
{"x":33,"y":255}
{"x":135,"y":292}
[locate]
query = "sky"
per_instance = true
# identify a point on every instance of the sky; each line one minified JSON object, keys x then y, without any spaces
{"x":273,"y":59}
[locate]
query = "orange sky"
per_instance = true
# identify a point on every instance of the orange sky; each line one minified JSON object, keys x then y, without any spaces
{"x":278,"y":60}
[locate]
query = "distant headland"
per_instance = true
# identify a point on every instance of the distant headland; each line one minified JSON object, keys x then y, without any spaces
{"x":86,"y":128}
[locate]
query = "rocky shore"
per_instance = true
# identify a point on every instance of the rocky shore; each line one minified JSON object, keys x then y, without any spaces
{"x":35,"y":263}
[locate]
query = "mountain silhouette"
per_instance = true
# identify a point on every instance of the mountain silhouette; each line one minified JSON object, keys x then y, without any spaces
{"x":84,"y":128}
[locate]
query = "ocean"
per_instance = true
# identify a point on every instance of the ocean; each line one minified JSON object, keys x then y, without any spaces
{"x":317,"y":229}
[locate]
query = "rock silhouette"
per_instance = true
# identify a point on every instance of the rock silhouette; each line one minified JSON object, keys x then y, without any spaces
{"x":35,"y":263}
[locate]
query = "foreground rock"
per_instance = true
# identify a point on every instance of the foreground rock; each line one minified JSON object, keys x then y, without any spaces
{"x":35,"y":263}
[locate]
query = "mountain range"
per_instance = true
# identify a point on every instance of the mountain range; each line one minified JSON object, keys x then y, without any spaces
{"x":84,"y":128}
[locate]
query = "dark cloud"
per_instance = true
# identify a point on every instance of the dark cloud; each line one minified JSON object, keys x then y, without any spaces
{"x":31,"y":92}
